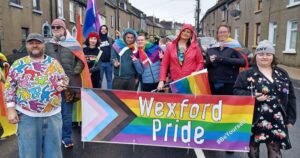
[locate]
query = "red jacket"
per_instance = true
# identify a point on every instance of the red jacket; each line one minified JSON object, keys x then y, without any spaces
{"x":193,"y":59}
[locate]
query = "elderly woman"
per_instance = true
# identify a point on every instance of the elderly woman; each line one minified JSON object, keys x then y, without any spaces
{"x":275,"y":104}
{"x":183,"y":56}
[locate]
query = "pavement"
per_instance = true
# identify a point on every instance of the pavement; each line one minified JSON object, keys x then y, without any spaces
{"x":293,"y":72}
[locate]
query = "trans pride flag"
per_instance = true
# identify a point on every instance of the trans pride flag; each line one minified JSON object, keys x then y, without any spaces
{"x":91,"y":23}
{"x":196,"y":84}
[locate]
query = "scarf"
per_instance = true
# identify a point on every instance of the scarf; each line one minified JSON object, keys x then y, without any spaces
{"x":120,"y":44}
{"x":148,"y":55}
{"x":72,"y":44}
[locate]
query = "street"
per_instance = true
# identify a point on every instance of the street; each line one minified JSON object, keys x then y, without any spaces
{"x":9,"y":148}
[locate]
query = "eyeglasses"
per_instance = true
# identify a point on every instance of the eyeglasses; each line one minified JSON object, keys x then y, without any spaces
{"x":56,"y":27}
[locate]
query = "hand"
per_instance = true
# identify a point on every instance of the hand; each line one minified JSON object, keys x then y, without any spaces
{"x":161,"y":54}
{"x":289,"y":125}
{"x":133,"y":58}
{"x":61,"y":85}
{"x":12,"y":116}
{"x":5,"y":64}
{"x":212,"y":58}
{"x":261,"y":97}
{"x":116,"y":63}
{"x":160,"y":85}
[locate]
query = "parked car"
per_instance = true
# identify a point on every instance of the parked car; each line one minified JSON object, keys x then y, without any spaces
{"x":205,"y":43}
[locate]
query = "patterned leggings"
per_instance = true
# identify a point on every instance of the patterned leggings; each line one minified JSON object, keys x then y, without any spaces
{"x":273,"y":150}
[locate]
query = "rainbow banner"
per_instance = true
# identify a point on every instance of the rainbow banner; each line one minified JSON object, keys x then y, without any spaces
{"x":196,"y":84}
{"x":168,"y":120}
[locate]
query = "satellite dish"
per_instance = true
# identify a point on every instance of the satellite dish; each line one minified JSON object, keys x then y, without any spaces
{"x":235,"y":13}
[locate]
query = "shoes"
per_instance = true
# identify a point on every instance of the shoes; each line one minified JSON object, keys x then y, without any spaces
{"x":67,"y":146}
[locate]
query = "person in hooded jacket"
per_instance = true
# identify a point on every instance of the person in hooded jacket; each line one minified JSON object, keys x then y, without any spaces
{"x":183,"y":56}
{"x":126,"y":66}
{"x":105,"y":63}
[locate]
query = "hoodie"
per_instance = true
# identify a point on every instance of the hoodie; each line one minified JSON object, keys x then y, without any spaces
{"x":193,"y":59}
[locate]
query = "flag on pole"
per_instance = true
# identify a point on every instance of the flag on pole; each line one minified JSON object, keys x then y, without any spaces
{"x":79,"y":36}
{"x":91,"y":23}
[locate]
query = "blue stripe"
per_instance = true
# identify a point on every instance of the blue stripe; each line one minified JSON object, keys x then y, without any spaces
{"x":208,"y":135}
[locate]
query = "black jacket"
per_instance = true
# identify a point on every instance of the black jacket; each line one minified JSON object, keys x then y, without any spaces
{"x":285,"y":92}
{"x":225,"y":68}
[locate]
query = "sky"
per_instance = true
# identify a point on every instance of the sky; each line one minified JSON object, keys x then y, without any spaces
{"x":182,"y":11}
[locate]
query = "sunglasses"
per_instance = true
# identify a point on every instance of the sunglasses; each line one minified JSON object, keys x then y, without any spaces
{"x":56,"y":27}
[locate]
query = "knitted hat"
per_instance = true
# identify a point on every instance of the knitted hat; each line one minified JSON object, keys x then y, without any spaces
{"x":59,"y":22}
{"x":265,"y":46}
{"x":93,"y":34}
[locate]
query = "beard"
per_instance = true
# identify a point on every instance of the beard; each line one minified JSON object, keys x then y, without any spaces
{"x":36,"y":53}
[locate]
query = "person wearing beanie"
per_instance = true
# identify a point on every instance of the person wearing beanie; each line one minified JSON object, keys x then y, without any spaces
{"x":105,"y":63}
{"x":124,"y":62}
{"x":91,"y":52}
{"x":275,"y":101}
{"x":68,"y":52}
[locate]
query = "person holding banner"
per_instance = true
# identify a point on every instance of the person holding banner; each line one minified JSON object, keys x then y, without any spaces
{"x":183,"y":56}
{"x":125,"y":72}
{"x":91,"y":52}
{"x":223,"y":62}
{"x":33,"y":96}
{"x":275,"y":105}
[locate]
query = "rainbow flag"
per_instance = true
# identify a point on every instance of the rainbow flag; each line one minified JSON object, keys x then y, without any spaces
{"x":196,"y":84}
{"x":168,"y":120}
{"x":92,"y":22}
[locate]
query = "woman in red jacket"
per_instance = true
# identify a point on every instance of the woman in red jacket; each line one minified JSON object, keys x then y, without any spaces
{"x":183,"y":56}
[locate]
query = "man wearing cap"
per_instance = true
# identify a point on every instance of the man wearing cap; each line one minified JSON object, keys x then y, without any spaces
{"x":68,"y":52}
{"x":33,"y":96}
{"x":125,"y":63}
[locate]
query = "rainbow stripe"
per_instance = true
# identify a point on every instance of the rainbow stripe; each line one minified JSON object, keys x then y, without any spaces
{"x":196,"y":84}
{"x":125,"y":122}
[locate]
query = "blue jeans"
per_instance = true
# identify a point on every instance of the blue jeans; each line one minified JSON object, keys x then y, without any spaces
{"x":39,"y":136}
{"x":106,"y":67}
{"x":66,"y":111}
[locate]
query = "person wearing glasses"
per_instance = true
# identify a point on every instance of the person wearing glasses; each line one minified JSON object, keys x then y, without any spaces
{"x":223,"y":63}
{"x":68,"y":52}
{"x":275,"y":109}
{"x":183,"y":56}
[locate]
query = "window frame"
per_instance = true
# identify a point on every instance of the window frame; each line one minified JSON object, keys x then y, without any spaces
{"x":38,"y":5}
{"x":273,"y":32}
{"x":288,"y":37}
{"x":60,"y":6}
{"x":72,"y":11}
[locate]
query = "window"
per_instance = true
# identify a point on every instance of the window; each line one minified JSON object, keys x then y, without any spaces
{"x":294,"y":2}
{"x":246,"y":34}
{"x":36,"y":4}
{"x":273,"y":32}
{"x":223,"y":15}
{"x":72,"y":13}
{"x":81,"y":14}
{"x":46,"y":29}
{"x":291,"y":36}
{"x":257,"y":34}
{"x":16,"y":2}
{"x":112,"y":21}
{"x":60,"y":8}
{"x":25,"y":32}
{"x":258,"y":5}
{"x":74,"y":32}
{"x":128,"y":24}
{"x":236,"y":34}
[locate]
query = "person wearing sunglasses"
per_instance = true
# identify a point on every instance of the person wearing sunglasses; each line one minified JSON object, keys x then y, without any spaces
{"x":183,"y":56}
{"x":68,"y":52}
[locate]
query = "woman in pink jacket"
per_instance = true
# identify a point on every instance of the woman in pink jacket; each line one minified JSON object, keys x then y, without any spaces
{"x":183,"y":56}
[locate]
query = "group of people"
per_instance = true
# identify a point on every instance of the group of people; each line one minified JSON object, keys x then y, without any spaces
{"x":40,"y":89}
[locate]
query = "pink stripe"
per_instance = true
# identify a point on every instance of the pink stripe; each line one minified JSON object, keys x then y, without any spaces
{"x":98,"y":109}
